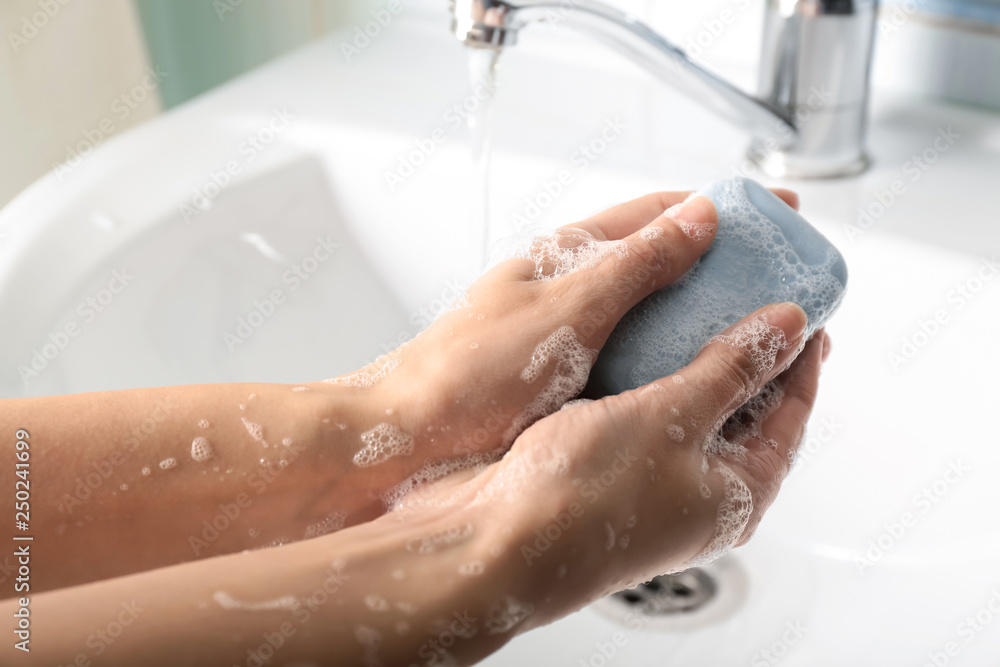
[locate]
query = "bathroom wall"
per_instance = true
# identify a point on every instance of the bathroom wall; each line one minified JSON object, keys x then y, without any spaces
{"x":207,"y":43}
{"x":72,"y":74}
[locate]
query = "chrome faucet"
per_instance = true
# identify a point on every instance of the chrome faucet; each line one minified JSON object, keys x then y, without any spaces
{"x":810,"y":118}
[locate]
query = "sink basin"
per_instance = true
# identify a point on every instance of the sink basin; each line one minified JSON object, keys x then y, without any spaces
{"x":305,"y":263}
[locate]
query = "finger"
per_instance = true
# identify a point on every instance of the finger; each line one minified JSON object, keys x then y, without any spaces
{"x":769,"y":459}
{"x":620,"y":221}
{"x":736,"y":364}
{"x":651,"y":258}
{"x":626,"y":219}
{"x":788,"y":196}
{"x":786,"y":426}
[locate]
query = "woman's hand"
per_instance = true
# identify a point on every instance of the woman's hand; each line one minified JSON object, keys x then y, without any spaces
{"x":603,"y":495}
{"x":483,"y":372}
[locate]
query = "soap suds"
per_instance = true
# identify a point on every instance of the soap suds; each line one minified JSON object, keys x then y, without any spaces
{"x":255,"y":430}
{"x":504,"y":614}
{"x":571,"y":363}
{"x":227,"y":601}
{"x":331,"y":523}
{"x":558,"y":253}
{"x":201,"y":450}
{"x":382,"y":443}
{"x":364,"y":379}
{"x":731,"y":518}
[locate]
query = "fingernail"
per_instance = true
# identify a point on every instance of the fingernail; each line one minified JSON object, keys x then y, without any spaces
{"x":788,"y":317}
{"x":827,"y":346}
{"x":697,"y":217}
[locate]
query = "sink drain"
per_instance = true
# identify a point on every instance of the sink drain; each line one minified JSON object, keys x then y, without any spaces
{"x":683,"y":601}
{"x":680,"y":593}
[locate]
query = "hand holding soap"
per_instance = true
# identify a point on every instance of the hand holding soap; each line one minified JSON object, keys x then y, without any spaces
{"x":764,"y":252}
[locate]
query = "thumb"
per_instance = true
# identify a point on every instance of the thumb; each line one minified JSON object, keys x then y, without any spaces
{"x":737,"y":363}
{"x":649,"y":259}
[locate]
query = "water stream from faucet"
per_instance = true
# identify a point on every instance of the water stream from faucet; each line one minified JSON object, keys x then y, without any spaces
{"x":482,"y":75}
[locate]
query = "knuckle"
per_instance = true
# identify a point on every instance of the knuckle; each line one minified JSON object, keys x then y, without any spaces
{"x":737,"y":372}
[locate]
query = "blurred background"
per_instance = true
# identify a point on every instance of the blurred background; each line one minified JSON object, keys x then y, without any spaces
{"x":68,"y":65}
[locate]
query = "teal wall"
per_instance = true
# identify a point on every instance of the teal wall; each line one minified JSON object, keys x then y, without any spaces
{"x":203,"y":43}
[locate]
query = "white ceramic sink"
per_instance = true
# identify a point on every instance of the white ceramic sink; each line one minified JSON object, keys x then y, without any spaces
{"x":381,"y":262}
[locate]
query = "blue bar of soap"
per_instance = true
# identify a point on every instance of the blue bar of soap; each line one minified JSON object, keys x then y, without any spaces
{"x":764,"y":252}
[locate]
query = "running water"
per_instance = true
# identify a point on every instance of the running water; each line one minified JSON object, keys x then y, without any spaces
{"x":482,"y":76}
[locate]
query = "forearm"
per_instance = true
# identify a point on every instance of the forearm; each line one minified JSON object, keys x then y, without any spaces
{"x":391,"y":592}
{"x":131,"y":480}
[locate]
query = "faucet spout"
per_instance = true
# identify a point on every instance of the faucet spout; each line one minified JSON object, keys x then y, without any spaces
{"x":790,"y":140}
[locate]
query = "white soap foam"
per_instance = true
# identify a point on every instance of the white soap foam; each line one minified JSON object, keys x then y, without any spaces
{"x":506,"y":613}
{"x":146,"y":471}
{"x":571,"y":363}
{"x":167,"y":464}
{"x":675,"y":432}
{"x":696,"y":231}
{"x":203,"y":423}
{"x":557,"y":253}
{"x":255,"y":430}
{"x":376,"y":603}
{"x":731,"y":434}
{"x":331,"y":522}
{"x":382,"y":443}
{"x":433,"y":472}
{"x":758,"y":339}
{"x":650,"y":233}
{"x":440,"y":539}
{"x":364,"y":379}
{"x":471,"y":569}
{"x":731,"y":518}
{"x":227,"y":601}
{"x":201,"y":450}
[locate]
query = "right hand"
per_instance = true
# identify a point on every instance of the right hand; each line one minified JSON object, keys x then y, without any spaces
{"x":633,"y":492}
